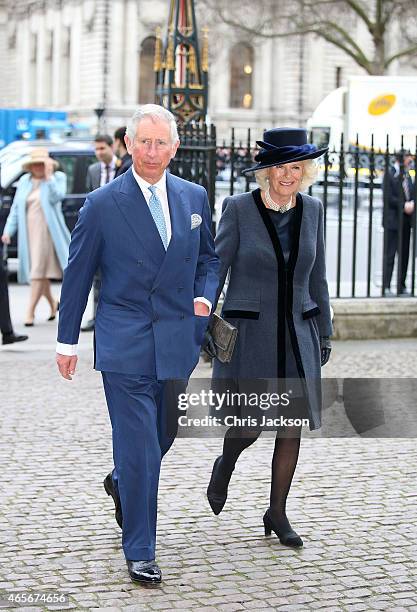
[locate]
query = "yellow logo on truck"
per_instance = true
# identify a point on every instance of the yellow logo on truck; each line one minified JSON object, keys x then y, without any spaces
{"x":381,"y":104}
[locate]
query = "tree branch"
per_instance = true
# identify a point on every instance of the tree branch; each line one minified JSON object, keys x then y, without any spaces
{"x":361,"y":59}
{"x":355,"y":6}
{"x":344,"y":35}
{"x":409,"y":51}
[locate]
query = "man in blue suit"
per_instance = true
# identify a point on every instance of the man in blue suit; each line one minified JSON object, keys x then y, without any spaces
{"x":149,"y":233}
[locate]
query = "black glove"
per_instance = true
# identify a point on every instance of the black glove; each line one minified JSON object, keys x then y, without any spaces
{"x":325,"y":349}
{"x":208,"y":345}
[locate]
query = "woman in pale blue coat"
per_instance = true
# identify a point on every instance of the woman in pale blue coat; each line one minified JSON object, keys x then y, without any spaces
{"x":43,"y":237}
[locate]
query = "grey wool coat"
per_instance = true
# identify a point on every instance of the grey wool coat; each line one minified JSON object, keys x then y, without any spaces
{"x":268,"y":300}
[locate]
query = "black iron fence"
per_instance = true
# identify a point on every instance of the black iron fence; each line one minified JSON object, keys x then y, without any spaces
{"x":359,"y":240}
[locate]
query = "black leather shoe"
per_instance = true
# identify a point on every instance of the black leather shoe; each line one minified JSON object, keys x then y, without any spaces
{"x":217,"y":489}
{"x":287,"y":536}
{"x":89,"y":326}
{"x":110,"y":490}
{"x":145,"y":572}
{"x":11,"y":338}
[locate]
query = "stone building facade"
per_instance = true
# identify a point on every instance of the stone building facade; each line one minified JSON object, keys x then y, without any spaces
{"x":79,"y":55}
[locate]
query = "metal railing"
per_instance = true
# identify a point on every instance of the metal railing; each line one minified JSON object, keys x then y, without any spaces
{"x":350,"y":184}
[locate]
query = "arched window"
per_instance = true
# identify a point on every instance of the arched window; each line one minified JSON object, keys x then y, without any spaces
{"x":146,"y":94}
{"x":241,"y":75}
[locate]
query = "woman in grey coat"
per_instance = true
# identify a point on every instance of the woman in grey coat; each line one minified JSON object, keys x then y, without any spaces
{"x":272,"y":241}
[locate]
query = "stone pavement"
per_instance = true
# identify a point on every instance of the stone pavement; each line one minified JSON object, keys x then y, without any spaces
{"x":353,"y":501}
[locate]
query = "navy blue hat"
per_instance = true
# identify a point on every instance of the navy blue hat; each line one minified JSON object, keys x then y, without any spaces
{"x":283,"y":146}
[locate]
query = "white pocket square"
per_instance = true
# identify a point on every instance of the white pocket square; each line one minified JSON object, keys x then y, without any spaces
{"x":195,"y":221}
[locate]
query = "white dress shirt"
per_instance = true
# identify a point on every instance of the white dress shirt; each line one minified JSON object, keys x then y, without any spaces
{"x":161,"y":191}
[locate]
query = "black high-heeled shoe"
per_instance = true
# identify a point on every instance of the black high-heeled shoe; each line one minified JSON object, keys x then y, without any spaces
{"x":288,"y":537}
{"x":217,"y":495}
{"x":53,"y":315}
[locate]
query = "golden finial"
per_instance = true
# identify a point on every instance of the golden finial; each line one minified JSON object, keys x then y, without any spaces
{"x":157,"y":63}
{"x":170,"y":63}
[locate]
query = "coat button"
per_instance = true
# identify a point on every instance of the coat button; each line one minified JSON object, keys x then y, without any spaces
{"x":140,"y":262}
{"x":180,"y":288}
{"x":188,"y":259}
{"x":155,"y":318}
{"x":182,"y":317}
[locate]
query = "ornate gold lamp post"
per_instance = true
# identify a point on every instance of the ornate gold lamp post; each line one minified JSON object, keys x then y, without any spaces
{"x":181,"y":71}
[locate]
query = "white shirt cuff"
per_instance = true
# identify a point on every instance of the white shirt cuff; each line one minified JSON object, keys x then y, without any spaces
{"x":66,"y":349}
{"x":204,"y":301}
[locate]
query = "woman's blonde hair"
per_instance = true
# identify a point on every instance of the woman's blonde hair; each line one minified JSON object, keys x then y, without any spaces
{"x":310,"y":171}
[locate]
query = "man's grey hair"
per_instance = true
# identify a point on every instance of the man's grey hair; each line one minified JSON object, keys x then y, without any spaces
{"x":310,"y":171}
{"x":155,"y":112}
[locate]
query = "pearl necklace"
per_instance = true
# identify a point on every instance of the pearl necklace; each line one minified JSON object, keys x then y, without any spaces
{"x":282,"y":208}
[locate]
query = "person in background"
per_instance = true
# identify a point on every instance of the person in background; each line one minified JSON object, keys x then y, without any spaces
{"x":6,"y":327}
{"x":98,"y":174}
{"x":104,"y":170}
{"x":398,"y":196}
{"x":122,"y":153}
{"x":43,"y":236}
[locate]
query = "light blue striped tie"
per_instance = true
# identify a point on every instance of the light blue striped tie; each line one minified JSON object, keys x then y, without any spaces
{"x":158,"y":215}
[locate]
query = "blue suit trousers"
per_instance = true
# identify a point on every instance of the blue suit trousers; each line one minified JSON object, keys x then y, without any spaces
{"x":142,"y":432}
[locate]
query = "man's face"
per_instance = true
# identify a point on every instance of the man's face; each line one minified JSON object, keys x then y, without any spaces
{"x":151,"y":149}
{"x":408,"y":160}
{"x":104,"y":152}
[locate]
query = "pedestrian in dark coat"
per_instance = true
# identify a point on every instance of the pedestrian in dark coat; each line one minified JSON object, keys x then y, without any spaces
{"x":272,"y":241}
{"x":398,"y":220}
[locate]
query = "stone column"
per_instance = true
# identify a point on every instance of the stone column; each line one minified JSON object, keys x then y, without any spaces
{"x":40,"y":61}
{"x":56,"y":57}
{"x":75,"y":57}
{"x":131,"y":54}
{"x":23,"y":51}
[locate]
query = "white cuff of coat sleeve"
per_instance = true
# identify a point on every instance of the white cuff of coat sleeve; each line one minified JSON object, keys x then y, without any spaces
{"x":204,"y":301}
{"x":66,"y":349}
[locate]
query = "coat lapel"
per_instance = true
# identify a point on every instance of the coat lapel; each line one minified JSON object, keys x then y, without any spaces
{"x":135,"y":210}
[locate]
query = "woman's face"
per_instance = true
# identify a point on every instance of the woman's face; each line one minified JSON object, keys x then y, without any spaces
{"x":286,"y":179}
{"x":37,"y":170}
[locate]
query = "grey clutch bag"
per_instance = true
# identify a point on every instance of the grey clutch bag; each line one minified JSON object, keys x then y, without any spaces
{"x":224,"y":336}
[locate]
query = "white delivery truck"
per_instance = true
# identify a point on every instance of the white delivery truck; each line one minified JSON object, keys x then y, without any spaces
{"x":377,"y":105}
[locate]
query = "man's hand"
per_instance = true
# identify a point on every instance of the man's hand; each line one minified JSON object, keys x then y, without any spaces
{"x":409,"y":207}
{"x":66,"y":365}
{"x":6,"y":239}
{"x":201,"y":309}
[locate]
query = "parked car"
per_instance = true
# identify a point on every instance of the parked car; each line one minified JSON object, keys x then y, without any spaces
{"x":73,"y":157}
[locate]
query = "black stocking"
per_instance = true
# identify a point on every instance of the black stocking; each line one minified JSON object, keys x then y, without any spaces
{"x":235,"y":441}
{"x":284,"y":462}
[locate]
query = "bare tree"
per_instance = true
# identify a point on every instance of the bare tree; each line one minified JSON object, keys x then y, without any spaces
{"x":391,"y":25}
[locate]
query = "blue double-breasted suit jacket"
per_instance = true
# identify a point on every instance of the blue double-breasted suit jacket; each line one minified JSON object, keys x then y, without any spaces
{"x":145,"y":323}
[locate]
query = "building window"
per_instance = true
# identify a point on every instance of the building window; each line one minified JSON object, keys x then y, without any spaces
{"x":338,"y":76}
{"x":241,"y":76}
{"x":146,"y":94}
